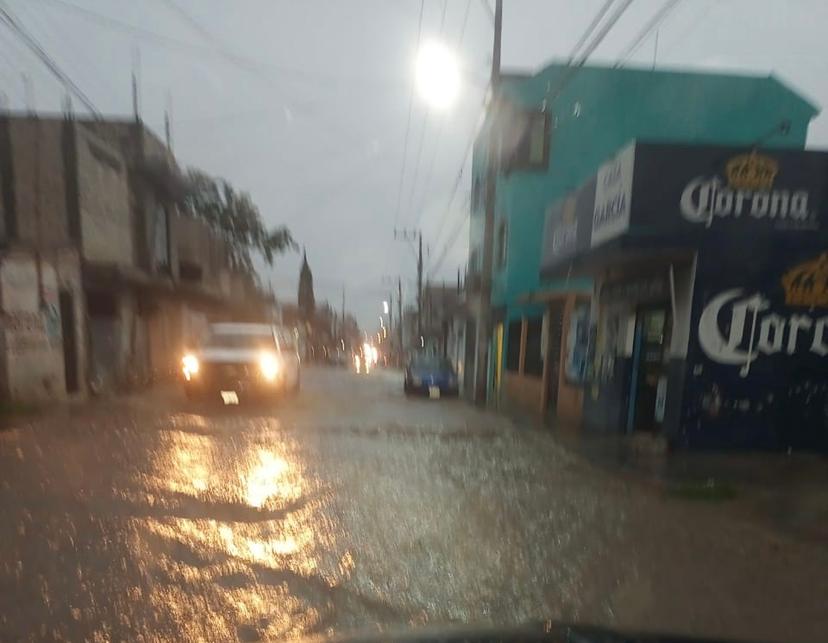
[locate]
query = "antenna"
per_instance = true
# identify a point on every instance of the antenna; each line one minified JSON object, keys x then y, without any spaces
{"x":136,"y":72}
{"x":168,"y":121}
{"x":67,"y":105}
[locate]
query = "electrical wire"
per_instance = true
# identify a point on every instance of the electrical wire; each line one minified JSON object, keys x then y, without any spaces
{"x":452,"y":238}
{"x":571,"y":70}
{"x":430,"y":170}
{"x":488,"y":9}
{"x":408,"y":124}
{"x":588,"y":31}
{"x":423,"y":130}
{"x":656,"y":20}
{"x":456,"y":187}
{"x":241,"y":62}
{"x":24,"y":36}
{"x":42,"y":24}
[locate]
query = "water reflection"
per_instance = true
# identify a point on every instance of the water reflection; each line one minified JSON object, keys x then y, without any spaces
{"x":259,"y":540}
{"x":270,"y":477}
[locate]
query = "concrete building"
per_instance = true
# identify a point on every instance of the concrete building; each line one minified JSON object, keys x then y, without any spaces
{"x":102,"y":280}
{"x":554,"y":129}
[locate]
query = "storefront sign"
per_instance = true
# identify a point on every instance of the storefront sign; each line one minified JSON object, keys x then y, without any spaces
{"x":653,"y":288}
{"x":807,"y":283}
{"x":565,"y":231}
{"x":613,"y":192}
{"x":756,"y":330}
{"x":567,"y":226}
{"x":747,"y":191}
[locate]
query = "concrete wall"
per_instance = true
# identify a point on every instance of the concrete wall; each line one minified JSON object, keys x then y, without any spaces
{"x":39,"y":181}
{"x":31,"y":336}
{"x":103,"y":182}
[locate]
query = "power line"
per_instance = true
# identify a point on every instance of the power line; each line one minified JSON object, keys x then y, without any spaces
{"x":49,"y":33}
{"x":657,"y":19}
{"x":46,"y":59}
{"x":242,"y":62}
{"x":408,"y":124}
{"x":571,"y":70}
{"x":488,"y":9}
{"x":440,"y":128}
{"x":452,"y":238}
{"x":588,"y":32}
{"x":423,"y":130}
{"x":604,"y":31}
{"x":466,"y":151}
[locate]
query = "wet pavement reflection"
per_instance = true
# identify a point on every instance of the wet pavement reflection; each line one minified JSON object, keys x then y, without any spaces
{"x":351,"y":507}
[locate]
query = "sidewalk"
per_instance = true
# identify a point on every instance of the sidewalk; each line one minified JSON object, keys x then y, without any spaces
{"x":785,"y":492}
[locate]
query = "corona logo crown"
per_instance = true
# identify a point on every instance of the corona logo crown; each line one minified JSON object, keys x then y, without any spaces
{"x":753,"y":172}
{"x":807,"y":283}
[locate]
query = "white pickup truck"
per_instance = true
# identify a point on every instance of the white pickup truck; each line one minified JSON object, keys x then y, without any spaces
{"x":241,"y":360}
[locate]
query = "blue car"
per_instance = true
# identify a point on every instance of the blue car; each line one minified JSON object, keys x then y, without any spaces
{"x":430,"y":375}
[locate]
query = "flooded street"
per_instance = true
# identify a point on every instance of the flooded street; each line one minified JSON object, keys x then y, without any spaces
{"x":351,"y":507}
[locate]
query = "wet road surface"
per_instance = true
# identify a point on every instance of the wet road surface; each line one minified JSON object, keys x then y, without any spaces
{"x":352,"y":507}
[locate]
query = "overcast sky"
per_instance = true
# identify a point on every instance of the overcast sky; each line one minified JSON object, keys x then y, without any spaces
{"x":316,"y":131}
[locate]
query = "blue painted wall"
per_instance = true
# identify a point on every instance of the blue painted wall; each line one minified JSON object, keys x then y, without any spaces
{"x":599,"y":110}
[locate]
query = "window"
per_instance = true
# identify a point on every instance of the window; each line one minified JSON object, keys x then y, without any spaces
{"x":501,"y":247}
{"x":477,"y":194}
{"x":533,"y":360}
{"x":513,"y":346}
{"x":529,"y":149}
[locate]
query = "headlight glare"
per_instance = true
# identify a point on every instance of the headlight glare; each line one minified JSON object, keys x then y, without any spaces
{"x":190,"y":365}
{"x":269,"y":366}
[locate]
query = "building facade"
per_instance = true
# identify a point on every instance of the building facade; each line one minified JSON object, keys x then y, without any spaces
{"x":553,"y":131}
{"x":709,"y":317}
{"x":102,"y":280}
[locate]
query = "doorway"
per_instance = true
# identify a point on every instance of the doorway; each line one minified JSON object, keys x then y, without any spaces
{"x":70,"y":344}
{"x":648,"y":381}
{"x":555,"y":316}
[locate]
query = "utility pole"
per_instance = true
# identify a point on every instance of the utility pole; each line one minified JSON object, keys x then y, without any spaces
{"x":342,"y":330}
{"x":484,"y":326}
{"x":391,"y":315}
{"x":420,"y":289}
{"x":410,"y":235}
{"x":400,"y":317}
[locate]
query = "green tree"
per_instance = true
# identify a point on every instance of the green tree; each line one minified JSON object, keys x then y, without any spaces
{"x":235,"y":218}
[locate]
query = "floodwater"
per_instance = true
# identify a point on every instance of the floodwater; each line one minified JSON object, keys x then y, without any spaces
{"x":351,"y":507}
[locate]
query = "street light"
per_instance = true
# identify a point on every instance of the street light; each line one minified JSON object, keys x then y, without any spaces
{"x":437,"y":74}
{"x":385,"y":308}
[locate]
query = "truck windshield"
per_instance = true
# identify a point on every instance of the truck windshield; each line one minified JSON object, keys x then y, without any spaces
{"x":244,"y":341}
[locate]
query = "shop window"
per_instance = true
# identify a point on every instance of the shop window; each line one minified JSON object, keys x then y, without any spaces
{"x":577,"y":345}
{"x":502,"y":245}
{"x":533,"y":360}
{"x":513,"y":346}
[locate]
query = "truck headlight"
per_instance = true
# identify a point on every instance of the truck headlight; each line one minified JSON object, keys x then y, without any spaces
{"x":269,"y":366}
{"x":189,"y":366}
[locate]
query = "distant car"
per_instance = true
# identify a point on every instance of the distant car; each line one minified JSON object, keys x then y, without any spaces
{"x":238,"y":360}
{"x":430,"y":375}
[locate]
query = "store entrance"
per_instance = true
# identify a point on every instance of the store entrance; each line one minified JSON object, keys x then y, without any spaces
{"x":648,"y":385}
